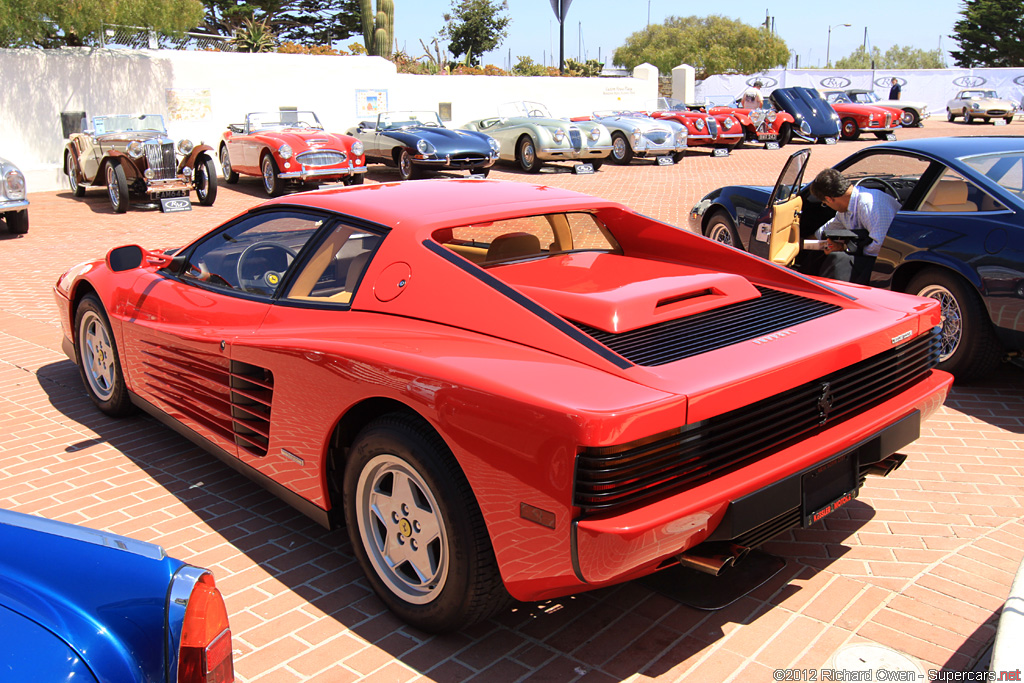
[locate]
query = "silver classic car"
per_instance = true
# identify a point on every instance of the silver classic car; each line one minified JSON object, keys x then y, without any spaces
{"x":13,"y":201}
{"x":529,"y":135}
{"x":131,"y":155}
{"x":636,"y":134}
{"x":977,"y":104}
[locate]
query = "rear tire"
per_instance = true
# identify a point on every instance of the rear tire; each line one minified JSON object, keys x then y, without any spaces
{"x":910,"y":119}
{"x":950,"y":116}
{"x":970,"y":349}
{"x":416,"y":529}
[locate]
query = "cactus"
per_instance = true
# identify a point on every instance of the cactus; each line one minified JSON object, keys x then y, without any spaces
{"x":378,"y":27}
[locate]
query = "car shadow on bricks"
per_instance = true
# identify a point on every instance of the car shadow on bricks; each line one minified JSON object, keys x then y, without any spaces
{"x":295,"y":587}
{"x":997,"y":400}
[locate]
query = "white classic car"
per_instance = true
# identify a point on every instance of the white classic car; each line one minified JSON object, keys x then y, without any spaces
{"x":13,"y":202}
{"x":978,"y":104}
{"x":636,"y":134}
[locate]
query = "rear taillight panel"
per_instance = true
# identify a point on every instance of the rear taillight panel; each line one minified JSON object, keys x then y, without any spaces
{"x":199,"y":636}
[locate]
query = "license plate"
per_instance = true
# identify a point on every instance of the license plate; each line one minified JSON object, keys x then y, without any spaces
{"x":720,"y":152}
{"x":583,"y":169}
{"x":999,"y":122}
{"x":890,"y":136}
{"x":830,"y":141}
{"x":665,"y":161}
{"x":771,"y":145}
{"x":829,"y":487}
{"x":172,"y":204}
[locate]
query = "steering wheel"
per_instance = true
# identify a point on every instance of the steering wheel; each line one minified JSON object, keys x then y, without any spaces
{"x":537,"y":113}
{"x":886,"y":186}
{"x":267,"y":280}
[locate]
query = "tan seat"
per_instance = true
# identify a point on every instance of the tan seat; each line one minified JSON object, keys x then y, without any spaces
{"x":948,"y":195}
{"x":513,"y":245}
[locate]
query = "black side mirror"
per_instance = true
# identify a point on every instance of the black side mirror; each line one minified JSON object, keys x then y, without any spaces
{"x":125,"y":258}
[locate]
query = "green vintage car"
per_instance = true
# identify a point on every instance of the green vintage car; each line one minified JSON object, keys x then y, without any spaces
{"x":529,"y":136}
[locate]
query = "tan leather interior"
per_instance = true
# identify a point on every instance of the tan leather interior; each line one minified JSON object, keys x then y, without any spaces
{"x":318,"y":263}
{"x":513,"y":245}
{"x":784,"y":243}
{"x":948,"y":195}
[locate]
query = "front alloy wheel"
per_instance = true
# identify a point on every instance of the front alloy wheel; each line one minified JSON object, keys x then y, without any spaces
{"x":273,"y":185}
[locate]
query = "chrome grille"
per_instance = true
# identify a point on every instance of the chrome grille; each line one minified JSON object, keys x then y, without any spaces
{"x":160,"y":159}
{"x":659,"y":137}
{"x":321,"y":158}
{"x":712,"y":126}
{"x":888,"y":120}
{"x":687,"y":456}
{"x":575,"y":139}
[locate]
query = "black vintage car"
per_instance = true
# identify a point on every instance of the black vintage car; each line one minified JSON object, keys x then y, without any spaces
{"x":958,"y":237}
{"x":815,"y":119}
{"x":417,"y":140}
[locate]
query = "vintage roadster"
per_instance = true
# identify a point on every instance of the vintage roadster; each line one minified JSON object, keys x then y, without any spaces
{"x":289,"y":147}
{"x":13,"y":199}
{"x":505,"y":388}
{"x":914,"y":111}
{"x":638,"y":135}
{"x":529,"y":135}
{"x":980,"y":105}
{"x":814,"y":119}
{"x":719,"y":131}
{"x":417,"y":140}
{"x":855,"y":118}
{"x":761,"y":125}
{"x":132,"y":156}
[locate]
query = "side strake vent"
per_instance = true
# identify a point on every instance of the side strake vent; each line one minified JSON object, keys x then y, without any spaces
{"x":674,"y":340}
{"x":614,"y":476}
{"x":229,"y":400}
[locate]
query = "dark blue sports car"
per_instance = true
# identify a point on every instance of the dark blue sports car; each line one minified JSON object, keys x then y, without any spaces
{"x":815,"y":119}
{"x":417,"y":140}
{"x":87,"y":606}
{"x":958,"y":238}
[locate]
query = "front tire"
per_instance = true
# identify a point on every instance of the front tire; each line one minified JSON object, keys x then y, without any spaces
{"x":882,"y":136}
{"x":272,"y":185}
{"x":526,"y":155}
{"x":622,"y":153}
{"x":406,"y":168}
{"x":230,"y":177}
{"x":720,"y":228}
{"x":416,"y":529}
{"x":354,"y":179}
{"x":677,"y":157}
{"x":1008,"y":119}
{"x":849,"y":130}
{"x":968,"y":119}
{"x":117,"y":187}
{"x":98,"y":360}
{"x":17,"y":222}
{"x":206,"y":181}
{"x":970,"y":349}
{"x":72,"y":174}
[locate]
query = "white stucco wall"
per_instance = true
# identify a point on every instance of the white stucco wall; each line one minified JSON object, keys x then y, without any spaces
{"x":39,"y":84}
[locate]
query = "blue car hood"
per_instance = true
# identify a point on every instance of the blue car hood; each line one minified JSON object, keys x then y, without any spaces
{"x":807,"y":104}
{"x":444,"y":140}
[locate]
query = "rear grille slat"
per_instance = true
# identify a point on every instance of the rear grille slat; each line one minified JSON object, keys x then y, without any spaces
{"x":675,"y":340}
{"x":614,"y":476}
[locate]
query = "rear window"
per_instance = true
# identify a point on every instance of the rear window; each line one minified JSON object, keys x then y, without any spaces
{"x":527,"y":237}
{"x":1005,"y":169}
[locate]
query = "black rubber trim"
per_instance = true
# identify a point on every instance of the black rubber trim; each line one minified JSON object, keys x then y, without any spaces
{"x":574,"y":552}
{"x":560,"y":323}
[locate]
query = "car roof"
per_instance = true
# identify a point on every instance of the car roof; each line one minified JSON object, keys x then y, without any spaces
{"x":424,"y":205}
{"x":953,"y":147}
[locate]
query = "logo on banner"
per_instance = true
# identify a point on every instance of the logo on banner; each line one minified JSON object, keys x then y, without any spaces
{"x":766,"y":81}
{"x":1019,"y":80}
{"x":886,"y":81}
{"x":970,"y":81}
{"x":836,"y":82}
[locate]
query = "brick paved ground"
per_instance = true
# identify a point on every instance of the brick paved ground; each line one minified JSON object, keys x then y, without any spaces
{"x":920,"y":563}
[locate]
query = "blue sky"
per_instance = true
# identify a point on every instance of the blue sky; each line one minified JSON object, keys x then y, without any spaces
{"x":596,"y":27}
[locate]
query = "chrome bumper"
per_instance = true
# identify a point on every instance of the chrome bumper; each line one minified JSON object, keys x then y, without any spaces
{"x":12,"y":204}
{"x":318,"y":173}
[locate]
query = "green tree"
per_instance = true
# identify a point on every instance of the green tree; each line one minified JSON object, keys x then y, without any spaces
{"x":896,"y":57}
{"x":990,"y":33}
{"x":306,"y":22}
{"x":474,"y":27}
{"x":57,"y":23}
{"x":711,"y":45}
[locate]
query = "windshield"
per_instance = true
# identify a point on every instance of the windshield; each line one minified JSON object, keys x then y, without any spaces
{"x":123,"y":122}
{"x":865,"y":97}
{"x":533,"y":110}
{"x":408,"y":119}
{"x":263,"y":120}
{"x":978,"y":94}
{"x":670,"y":104}
{"x":612,"y":113}
{"x":1005,"y":169}
{"x":839,"y":97}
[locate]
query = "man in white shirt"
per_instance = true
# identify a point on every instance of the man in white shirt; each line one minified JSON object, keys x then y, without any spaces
{"x":867,"y":213}
{"x":751,"y":98}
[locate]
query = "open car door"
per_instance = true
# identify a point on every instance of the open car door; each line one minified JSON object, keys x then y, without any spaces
{"x":777,"y":237}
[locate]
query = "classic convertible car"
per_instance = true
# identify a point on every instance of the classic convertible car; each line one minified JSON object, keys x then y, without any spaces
{"x":760,"y":125}
{"x":814,"y":119}
{"x":508,"y":388}
{"x":958,"y":238}
{"x":417,"y":140}
{"x":718,"y":131}
{"x":133,"y":157}
{"x":637,"y":135}
{"x":980,"y":105}
{"x":529,"y":135}
{"x":88,"y":606}
{"x":13,"y":200}
{"x":914,"y":112}
{"x":289,"y":147}
{"x":855,"y":118}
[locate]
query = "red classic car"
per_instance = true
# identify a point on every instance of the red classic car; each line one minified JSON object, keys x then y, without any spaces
{"x":721,"y":131}
{"x":505,"y":388}
{"x":760,"y":125}
{"x":289,"y":147}
{"x":855,"y":118}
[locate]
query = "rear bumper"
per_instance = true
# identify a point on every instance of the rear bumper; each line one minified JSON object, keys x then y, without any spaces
{"x":620,"y":546}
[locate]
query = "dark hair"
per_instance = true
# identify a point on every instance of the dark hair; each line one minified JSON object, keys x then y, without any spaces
{"x":829,"y":183}
{"x":758,"y":84}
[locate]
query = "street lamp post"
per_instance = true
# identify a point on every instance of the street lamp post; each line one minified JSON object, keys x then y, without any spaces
{"x":828,"y":45}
